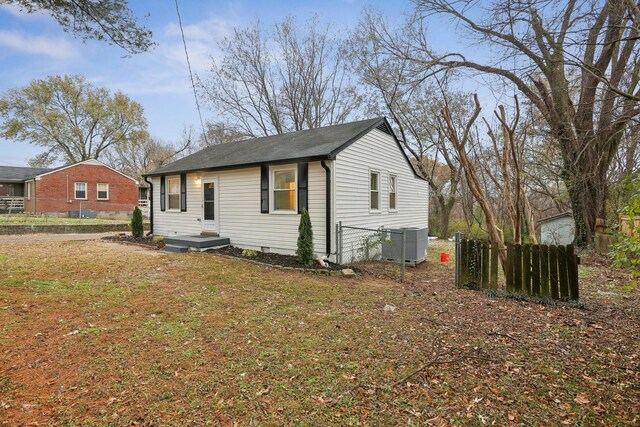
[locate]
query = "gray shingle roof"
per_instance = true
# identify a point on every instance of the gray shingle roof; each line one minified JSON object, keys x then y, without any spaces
{"x":19,"y":174}
{"x":317,"y":143}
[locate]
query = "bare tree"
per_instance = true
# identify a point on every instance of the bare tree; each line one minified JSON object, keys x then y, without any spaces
{"x":412,"y":108}
{"x":136,"y":158}
{"x":460,"y":141}
{"x":577,"y":62}
{"x":271,"y":82}
{"x":509,"y":154}
{"x":219,"y":133}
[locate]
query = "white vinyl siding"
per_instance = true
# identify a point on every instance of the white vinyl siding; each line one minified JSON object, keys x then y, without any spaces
{"x":239,"y":211}
{"x":377,"y":151}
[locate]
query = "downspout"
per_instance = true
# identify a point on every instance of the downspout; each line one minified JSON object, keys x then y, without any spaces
{"x":150,"y":206}
{"x":327,"y":206}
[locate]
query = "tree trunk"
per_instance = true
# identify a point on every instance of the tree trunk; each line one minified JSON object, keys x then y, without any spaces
{"x":444,"y":216}
{"x":588,"y":194}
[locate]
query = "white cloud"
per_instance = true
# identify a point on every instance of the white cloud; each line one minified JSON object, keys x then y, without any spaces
{"x":214,"y":28}
{"x":53,"y":47}
{"x":202,"y":40}
{"x":19,"y":12}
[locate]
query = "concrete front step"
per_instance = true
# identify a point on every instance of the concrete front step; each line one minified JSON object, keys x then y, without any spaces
{"x":175,"y":248}
{"x":197,"y":242}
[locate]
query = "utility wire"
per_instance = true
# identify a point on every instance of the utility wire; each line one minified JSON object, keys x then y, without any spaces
{"x":193,"y":84}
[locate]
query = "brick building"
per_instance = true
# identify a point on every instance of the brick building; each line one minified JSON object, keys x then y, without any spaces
{"x":82,"y":189}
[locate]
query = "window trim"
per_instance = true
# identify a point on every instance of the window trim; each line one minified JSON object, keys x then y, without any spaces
{"x":379,"y":174}
{"x":98,"y":191}
{"x":75,"y":191}
{"x":29,"y":189}
{"x":395,"y":207}
{"x":272,"y":189}
{"x":169,"y":193}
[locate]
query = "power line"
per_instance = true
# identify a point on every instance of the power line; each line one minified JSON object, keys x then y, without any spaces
{"x":193,"y":85}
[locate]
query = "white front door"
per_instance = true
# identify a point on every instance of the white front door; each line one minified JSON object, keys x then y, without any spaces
{"x":210,"y":205}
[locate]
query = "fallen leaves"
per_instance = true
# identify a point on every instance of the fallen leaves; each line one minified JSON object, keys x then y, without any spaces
{"x":582,"y":399}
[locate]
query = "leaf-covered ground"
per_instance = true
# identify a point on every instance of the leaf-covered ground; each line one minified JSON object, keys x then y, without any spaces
{"x":96,"y":333}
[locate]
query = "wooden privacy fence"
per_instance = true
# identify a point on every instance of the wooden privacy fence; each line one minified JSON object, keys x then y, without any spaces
{"x":478,"y":264}
{"x":545,"y":271}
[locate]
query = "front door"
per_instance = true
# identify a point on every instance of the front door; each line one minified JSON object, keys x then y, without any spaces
{"x":210,"y":205}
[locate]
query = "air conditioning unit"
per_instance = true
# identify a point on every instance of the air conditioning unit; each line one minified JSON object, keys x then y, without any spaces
{"x":415,"y":245}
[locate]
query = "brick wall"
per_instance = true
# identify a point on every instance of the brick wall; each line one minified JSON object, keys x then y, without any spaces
{"x":55,"y":192}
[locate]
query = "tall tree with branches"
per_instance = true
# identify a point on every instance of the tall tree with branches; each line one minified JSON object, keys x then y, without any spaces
{"x":109,"y":20}
{"x":577,"y":62}
{"x":412,"y":108}
{"x":280,"y":80}
{"x":70,"y":118}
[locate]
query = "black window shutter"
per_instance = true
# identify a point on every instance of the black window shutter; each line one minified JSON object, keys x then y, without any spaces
{"x":303,"y":186}
{"x":183,"y":192}
{"x":163,"y":194}
{"x":264,"y":189}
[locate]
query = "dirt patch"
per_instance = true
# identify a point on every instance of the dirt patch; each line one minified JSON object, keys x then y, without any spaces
{"x":274,"y":259}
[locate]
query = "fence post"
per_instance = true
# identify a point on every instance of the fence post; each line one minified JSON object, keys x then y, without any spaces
{"x":337,"y":244}
{"x":464,"y":262}
{"x":458,"y":239}
{"x":553,"y":271}
{"x":573,"y":272}
{"x":535,"y":270}
{"x":494,"y":266}
{"x":563,"y":273}
{"x":545,"y":289}
{"x":485,"y":265}
{"x":403,"y":255}
{"x":340,"y":232}
{"x":509,"y":269}
{"x":517,"y":268}
{"x":526,"y":269}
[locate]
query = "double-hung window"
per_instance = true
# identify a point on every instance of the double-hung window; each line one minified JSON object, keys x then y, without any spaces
{"x":284,"y":190}
{"x":103,"y":191}
{"x":393,"y":191}
{"x":374,"y":191}
{"x":80,"y":190}
{"x":173,"y":193}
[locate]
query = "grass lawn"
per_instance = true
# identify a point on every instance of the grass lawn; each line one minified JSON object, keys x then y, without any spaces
{"x":96,"y":333}
{"x":25,"y":219}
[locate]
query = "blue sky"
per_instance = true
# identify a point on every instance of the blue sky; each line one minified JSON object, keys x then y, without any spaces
{"x":33,"y":46}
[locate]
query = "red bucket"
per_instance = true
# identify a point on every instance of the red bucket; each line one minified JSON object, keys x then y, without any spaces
{"x":444,"y":257}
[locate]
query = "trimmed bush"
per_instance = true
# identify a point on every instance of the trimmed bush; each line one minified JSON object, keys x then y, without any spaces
{"x":137,"y":228}
{"x":305,"y":250}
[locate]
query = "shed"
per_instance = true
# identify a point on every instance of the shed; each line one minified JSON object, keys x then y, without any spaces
{"x":557,"y":229}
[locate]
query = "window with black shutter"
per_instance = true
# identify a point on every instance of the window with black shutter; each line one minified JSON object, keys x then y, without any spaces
{"x":163,"y":193}
{"x":264,"y":189}
{"x":303,"y":186}
{"x":183,"y":192}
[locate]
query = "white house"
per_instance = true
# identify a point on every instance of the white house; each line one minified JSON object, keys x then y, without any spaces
{"x":252,"y":192}
{"x":557,"y":229}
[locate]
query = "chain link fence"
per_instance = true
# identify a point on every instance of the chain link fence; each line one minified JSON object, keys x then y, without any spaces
{"x":357,"y":245}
